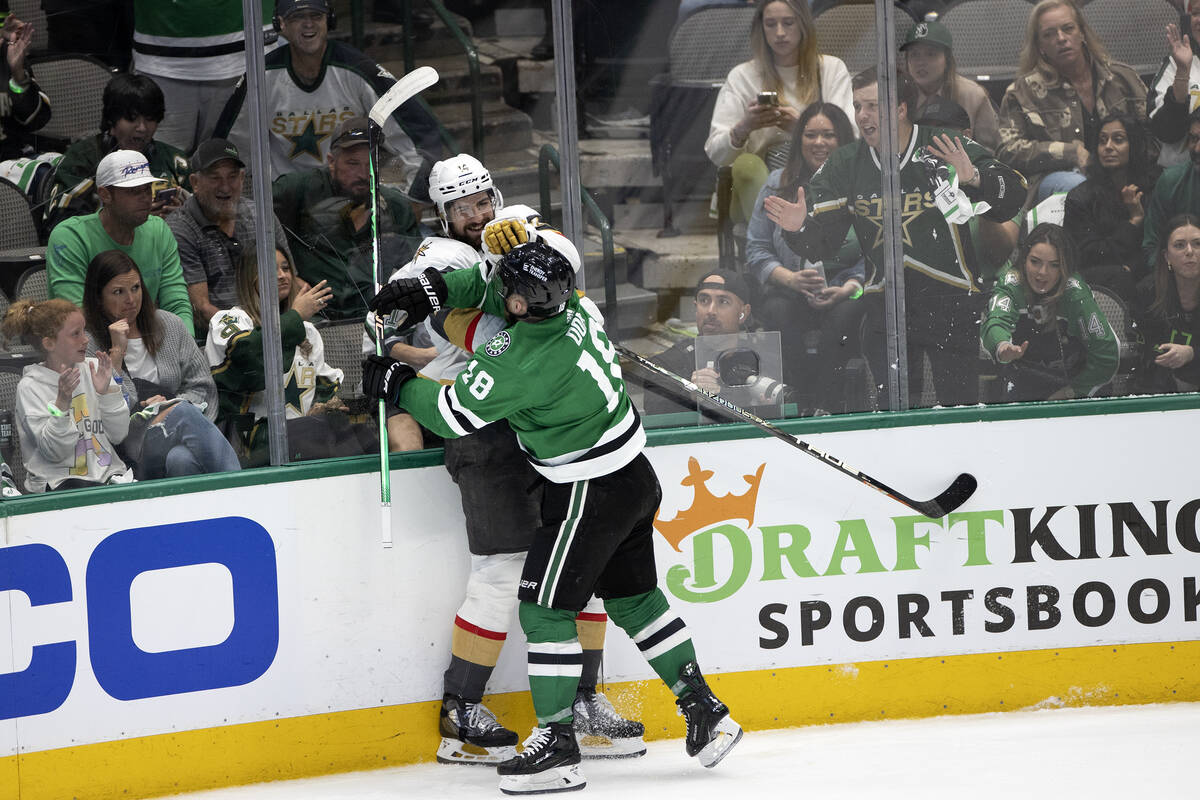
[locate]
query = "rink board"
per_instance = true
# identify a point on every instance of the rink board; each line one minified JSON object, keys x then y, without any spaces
{"x":185,"y":635}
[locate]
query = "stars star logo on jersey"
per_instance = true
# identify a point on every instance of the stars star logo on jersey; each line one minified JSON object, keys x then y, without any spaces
{"x":306,"y":141}
{"x":498,"y":344}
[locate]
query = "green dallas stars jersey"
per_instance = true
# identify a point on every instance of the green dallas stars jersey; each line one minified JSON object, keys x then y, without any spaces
{"x":557,"y":382}
{"x":845,"y":192}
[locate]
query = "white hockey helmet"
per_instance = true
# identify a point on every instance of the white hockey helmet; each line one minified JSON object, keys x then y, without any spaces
{"x":460,"y":176}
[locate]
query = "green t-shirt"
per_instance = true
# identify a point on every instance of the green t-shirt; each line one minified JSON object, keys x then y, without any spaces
{"x":557,"y":382}
{"x":76,"y":241}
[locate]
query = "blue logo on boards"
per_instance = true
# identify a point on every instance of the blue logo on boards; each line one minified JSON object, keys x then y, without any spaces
{"x":122,"y":669}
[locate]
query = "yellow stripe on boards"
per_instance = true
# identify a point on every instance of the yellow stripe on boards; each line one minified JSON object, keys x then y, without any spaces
{"x":397,"y":735}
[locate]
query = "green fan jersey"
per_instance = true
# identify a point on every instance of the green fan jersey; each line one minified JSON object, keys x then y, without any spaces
{"x":557,"y":382}
{"x":1082,"y":319}
{"x":845,"y":191}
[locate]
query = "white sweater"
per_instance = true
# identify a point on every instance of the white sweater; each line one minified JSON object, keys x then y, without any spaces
{"x":741,"y":88}
{"x":78,"y":444}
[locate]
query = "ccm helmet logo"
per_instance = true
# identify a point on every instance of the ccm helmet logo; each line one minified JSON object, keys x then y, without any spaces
{"x":122,"y":668}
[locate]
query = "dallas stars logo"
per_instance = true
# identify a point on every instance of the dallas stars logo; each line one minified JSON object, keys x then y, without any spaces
{"x":498,"y":344}
{"x":308,"y":140}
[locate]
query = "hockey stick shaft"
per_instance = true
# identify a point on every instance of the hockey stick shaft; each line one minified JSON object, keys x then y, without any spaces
{"x":953,"y":497}
{"x":385,"y":475}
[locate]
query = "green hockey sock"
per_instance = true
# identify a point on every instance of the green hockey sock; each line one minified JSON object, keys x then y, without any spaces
{"x":555,"y":661}
{"x":658,"y":632}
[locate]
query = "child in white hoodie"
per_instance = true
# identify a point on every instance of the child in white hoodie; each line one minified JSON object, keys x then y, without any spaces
{"x":70,"y":411}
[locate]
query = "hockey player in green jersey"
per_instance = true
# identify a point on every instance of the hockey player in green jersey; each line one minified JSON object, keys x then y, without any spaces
{"x":1066,"y":346}
{"x":554,"y":376}
{"x":943,"y":178}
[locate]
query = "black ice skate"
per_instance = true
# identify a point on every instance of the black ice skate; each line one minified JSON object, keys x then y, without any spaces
{"x":471,"y":734}
{"x":711,"y":732}
{"x":548,"y":763}
{"x":602,"y":732}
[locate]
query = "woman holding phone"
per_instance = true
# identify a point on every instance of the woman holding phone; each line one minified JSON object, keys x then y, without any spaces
{"x":762,"y":98}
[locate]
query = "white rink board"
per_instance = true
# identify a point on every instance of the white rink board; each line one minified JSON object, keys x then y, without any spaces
{"x":361,"y":627}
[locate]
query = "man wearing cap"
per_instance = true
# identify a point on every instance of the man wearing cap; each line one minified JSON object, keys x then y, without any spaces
{"x":722,"y":306}
{"x":124,"y":222}
{"x":312,"y":85}
{"x":326,"y":213}
{"x":215,"y":228}
{"x":929,"y":61}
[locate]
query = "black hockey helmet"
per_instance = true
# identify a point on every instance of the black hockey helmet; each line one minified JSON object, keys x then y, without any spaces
{"x":540,"y":274}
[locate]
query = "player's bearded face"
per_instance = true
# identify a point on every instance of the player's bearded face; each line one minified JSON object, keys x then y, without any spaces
{"x":469,"y":215}
{"x":348,"y":169}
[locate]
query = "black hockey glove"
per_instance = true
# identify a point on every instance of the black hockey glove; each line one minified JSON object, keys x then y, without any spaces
{"x":382,"y":378}
{"x":417,"y":297}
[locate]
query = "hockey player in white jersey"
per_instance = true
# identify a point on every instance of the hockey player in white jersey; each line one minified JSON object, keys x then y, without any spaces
{"x":500,"y":497}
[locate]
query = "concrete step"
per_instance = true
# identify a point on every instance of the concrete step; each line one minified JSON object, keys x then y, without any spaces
{"x":638,"y":308}
{"x":454,"y":79}
{"x":689,"y":217}
{"x":384,"y":41}
{"x":616,"y":163}
{"x":504,"y":127}
{"x":673,"y":263}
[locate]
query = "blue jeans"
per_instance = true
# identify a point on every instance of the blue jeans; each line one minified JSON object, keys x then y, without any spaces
{"x":185,"y":443}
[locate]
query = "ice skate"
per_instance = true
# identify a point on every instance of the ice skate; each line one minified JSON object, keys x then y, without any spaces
{"x":471,"y":734}
{"x":602,"y":732}
{"x":711,"y":732}
{"x":548,"y":763}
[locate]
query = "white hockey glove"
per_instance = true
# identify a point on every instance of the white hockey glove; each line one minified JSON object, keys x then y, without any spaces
{"x":951,"y":200}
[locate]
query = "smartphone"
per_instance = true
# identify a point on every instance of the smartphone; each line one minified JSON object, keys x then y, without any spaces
{"x":166,"y":195}
{"x":768,"y":98}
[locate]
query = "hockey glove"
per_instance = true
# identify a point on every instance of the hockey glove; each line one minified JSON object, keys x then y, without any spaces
{"x":503,"y":235}
{"x":416,"y":297}
{"x":382,"y":378}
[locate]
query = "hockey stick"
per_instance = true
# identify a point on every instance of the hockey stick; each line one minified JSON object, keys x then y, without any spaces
{"x":407,"y":87}
{"x":954,"y":496}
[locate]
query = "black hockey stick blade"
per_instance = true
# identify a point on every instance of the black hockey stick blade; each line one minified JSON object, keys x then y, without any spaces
{"x":959,"y":492}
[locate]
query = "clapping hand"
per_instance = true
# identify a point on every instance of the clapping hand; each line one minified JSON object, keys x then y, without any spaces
{"x":68,"y":380}
{"x":789,"y":216}
{"x":1180,"y":48}
{"x":20,"y":39}
{"x":102,"y":372}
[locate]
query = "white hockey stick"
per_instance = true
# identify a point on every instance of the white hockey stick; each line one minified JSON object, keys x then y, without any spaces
{"x":404,"y":89}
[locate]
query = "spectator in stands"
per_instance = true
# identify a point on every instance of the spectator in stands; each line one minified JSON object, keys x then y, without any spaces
{"x":24,"y":107}
{"x":195,"y":52}
{"x":929,"y":61}
{"x":1172,"y":94}
{"x":1104,"y":214}
{"x":1167,"y":309}
{"x":317,"y":426}
{"x":942,"y":282}
{"x":326,"y":213}
{"x":1177,"y":191}
{"x":124,"y":223}
{"x":722,"y":307}
{"x":794,"y":298}
{"x":132,"y":109}
{"x":761,"y":99}
{"x":312,"y":85}
{"x":1066,"y":83}
{"x":162,"y":373}
{"x":70,"y":413}
{"x":1067,"y":348}
{"x":213,"y":228}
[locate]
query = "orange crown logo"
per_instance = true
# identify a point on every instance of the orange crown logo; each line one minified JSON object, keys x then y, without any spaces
{"x":708,"y":509}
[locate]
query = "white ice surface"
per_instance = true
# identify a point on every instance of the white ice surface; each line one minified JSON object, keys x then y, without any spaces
{"x":1095,"y":753}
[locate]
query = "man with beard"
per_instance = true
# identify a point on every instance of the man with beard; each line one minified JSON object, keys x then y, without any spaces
{"x":214,"y":228}
{"x":1177,"y":192}
{"x":722,"y":306}
{"x":326,"y":213}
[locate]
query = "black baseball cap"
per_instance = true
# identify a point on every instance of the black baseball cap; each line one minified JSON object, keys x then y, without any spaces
{"x":352,"y":131}
{"x":942,"y":113}
{"x":211,"y":151}
{"x":285,"y":8}
{"x":729,"y":281}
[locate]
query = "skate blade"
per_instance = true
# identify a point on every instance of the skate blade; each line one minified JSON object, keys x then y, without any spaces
{"x":604,"y":747}
{"x":453,"y":751}
{"x":729,"y":733}
{"x":557,"y":779}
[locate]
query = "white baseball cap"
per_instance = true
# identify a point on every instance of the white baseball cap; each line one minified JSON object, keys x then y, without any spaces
{"x":124,"y":168}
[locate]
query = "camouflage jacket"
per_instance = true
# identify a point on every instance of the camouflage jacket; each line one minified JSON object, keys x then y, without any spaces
{"x":1041,"y":115}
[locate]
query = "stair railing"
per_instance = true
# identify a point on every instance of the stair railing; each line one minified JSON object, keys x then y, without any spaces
{"x":547,"y":157}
